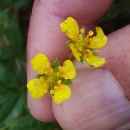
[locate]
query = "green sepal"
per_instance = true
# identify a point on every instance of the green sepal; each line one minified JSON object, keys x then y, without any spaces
{"x":56,"y":64}
{"x":66,"y":81}
{"x":81,"y":59}
{"x":68,"y":43}
{"x":91,"y":66}
{"x":45,"y":76}
{"x":94,"y":53}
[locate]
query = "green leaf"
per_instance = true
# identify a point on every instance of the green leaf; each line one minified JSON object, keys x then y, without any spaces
{"x":29,"y":123}
{"x":15,"y":4}
{"x":5,"y":3}
{"x":3,"y":71}
{"x":3,"y":53}
{"x":11,"y":37}
{"x":18,"y":4}
{"x":16,"y":111}
{"x":48,"y":126}
{"x":7,"y":106}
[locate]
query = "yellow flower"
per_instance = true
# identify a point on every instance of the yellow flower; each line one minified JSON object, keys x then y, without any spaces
{"x":41,"y":64}
{"x":54,"y":80}
{"x":61,"y":93}
{"x":80,"y":43}
{"x":37,"y":87}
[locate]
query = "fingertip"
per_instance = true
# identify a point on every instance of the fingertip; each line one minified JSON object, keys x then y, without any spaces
{"x":117,"y":56}
{"x":96,"y":103}
{"x":41,"y":109}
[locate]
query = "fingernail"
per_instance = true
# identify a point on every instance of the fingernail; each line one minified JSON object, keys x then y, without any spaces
{"x":97,"y":103}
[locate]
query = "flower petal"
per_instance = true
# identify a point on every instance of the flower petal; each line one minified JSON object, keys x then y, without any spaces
{"x":67,"y":71}
{"x":40,"y":63}
{"x":70,"y":28}
{"x":95,"y":61}
{"x":97,"y":41}
{"x":37,"y":87}
{"x":60,"y":94}
{"x":75,"y":52}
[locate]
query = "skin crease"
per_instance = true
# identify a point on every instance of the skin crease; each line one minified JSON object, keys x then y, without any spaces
{"x":44,"y":31}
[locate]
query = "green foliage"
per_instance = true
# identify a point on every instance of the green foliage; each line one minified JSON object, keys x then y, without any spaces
{"x":14,"y":4}
{"x":117,"y":16}
{"x":14,"y":114}
{"x":119,"y":8}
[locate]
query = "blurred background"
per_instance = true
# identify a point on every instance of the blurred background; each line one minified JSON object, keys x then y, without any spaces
{"x":14,"y":21}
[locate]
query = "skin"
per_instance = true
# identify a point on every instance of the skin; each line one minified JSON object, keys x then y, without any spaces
{"x":99,"y":96}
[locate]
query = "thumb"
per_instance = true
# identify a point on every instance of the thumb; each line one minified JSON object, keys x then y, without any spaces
{"x":97,"y":103}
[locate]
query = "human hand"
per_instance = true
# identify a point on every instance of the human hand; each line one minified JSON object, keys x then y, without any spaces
{"x":97,"y":100}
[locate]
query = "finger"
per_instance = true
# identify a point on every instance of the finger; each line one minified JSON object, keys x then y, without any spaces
{"x":45,"y":37}
{"x":97,"y":103}
{"x":117,"y":56}
{"x":116,"y":53}
{"x":44,"y":114}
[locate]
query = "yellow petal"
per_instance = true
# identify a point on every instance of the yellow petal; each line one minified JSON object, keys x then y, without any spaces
{"x":62,"y":93}
{"x":67,"y":71}
{"x":70,"y":28}
{"x":37,"y":87}
{"x":40,"y":63}
{"x":97,"y":41}
{"x":95,"y":61}
{"x":75,"y":53}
